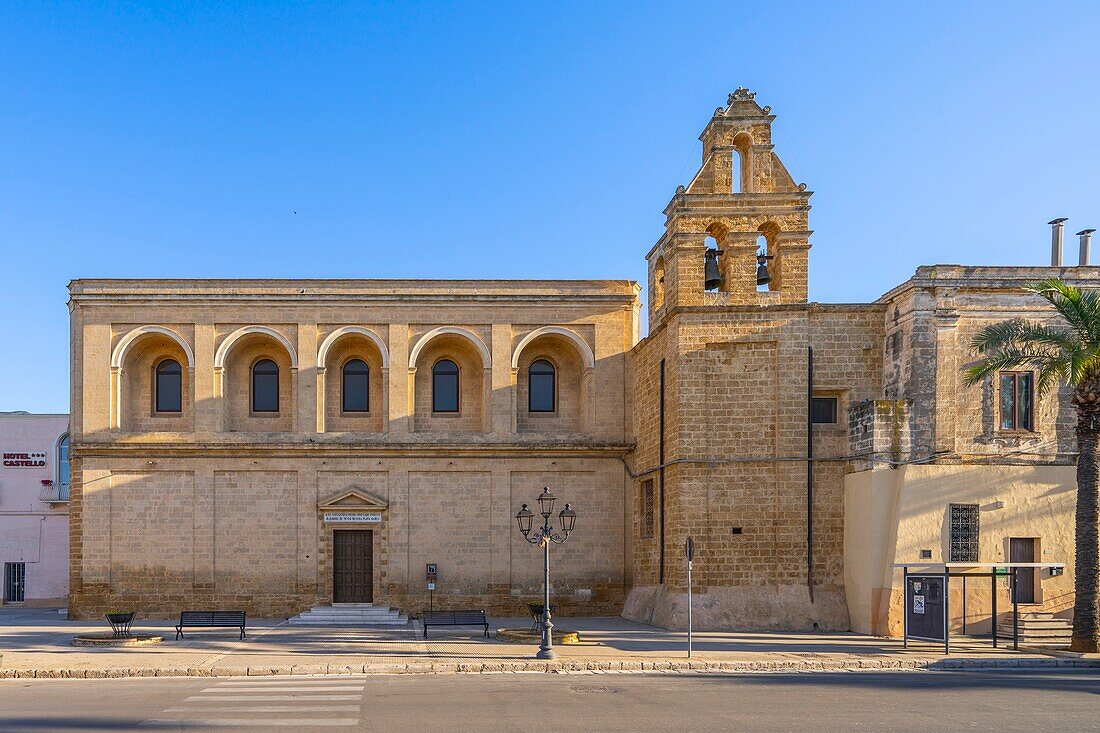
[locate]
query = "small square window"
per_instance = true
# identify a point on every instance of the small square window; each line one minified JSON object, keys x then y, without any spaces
{"x":823,"y":410}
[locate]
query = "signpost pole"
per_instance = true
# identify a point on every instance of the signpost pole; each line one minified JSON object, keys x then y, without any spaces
{"x":1015,"y":610}
{"x":993,"y":594}
{"x":905,"y":608}
{"x":689,"y":550}
{"x":946,"y":614}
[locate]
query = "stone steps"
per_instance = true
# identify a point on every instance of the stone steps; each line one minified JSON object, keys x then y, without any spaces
{"x":1038,"y":628}
{"x":351,"y":614}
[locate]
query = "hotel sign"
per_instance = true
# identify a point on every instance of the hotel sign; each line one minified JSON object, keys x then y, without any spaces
{"x":354,"y":517}
{"x":24,"y":460}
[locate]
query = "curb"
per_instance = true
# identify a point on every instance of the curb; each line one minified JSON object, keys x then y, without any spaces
{"x":563,"y":667}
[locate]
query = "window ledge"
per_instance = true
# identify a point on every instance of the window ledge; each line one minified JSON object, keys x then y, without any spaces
{"x":1010,"y":438}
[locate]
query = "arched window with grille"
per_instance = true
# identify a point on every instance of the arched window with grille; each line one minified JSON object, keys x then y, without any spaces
{"x":541,"y":387}
{"x":445,"y":386}
{"x":63,"y":466}
{"x":356,"y":387}
{"x":168,"y":388}
{"x":265,"y":386}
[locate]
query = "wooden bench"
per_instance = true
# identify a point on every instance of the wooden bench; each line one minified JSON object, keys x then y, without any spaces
{"x":220,"y":619}
{"x":455,"y":618}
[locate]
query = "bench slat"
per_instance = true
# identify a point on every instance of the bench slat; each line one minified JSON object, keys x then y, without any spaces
{"x":455,"y":618}
{"x":210,"y":619}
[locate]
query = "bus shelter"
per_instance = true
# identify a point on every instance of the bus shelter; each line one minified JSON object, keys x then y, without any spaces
{"x":927,"y":596}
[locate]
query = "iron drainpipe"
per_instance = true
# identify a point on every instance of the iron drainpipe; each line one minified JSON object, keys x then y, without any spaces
{"x":810,"y":471}
{"x":661,"y":471}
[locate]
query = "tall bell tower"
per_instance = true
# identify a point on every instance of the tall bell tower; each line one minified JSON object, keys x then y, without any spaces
{"x":738,"y":234}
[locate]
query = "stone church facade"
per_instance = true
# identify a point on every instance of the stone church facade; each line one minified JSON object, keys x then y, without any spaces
{"x":238,"y":442}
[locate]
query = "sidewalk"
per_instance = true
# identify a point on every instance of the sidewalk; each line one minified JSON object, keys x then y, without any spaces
{"x":37,"y":643}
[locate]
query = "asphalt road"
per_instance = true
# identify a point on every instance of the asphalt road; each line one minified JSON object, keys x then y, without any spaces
{"x":842,"y":701}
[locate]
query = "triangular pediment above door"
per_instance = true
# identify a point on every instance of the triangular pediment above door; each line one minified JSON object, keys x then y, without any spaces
{"x":353,"y":499}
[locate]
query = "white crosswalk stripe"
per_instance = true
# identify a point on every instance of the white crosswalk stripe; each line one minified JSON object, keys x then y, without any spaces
{"x":242,"y":703}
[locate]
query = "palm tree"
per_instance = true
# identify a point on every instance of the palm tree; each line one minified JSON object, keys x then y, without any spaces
{"x":1062,"y":353}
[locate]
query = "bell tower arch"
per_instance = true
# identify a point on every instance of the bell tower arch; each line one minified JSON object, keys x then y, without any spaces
{"x":741,"y":193}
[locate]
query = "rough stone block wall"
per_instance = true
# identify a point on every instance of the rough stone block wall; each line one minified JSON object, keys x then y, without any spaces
{"x":736,"y":439}
{"x":230,"y":512}
{"x":255,"y":534}
{"x":930,"y":323}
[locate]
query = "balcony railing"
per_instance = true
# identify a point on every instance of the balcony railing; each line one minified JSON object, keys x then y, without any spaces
{"x":52,"y":493}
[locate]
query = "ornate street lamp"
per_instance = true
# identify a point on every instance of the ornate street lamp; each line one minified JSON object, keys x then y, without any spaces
{"x":544,"y":535}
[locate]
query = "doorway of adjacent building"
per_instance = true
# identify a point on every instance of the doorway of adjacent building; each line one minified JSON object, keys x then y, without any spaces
{"x":15,"y":582}
{"x":353,"y":566}
{"x":1022,"y":549}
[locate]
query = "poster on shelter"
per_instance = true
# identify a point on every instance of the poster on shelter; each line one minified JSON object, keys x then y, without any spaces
{"x":925,"y":609}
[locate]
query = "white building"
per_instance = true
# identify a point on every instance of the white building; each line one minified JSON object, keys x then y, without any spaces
{"x":34,"y":509}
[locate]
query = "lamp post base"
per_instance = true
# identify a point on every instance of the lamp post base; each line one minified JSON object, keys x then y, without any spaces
{"x":546,"y":654}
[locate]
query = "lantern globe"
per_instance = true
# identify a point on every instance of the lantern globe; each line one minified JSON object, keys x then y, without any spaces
{"x":546,"y":501}
{"x":524,"y":517}
{"x":568,"y":519}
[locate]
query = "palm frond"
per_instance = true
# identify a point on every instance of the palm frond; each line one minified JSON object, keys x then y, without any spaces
{"x":1084,"y":364}
{"x":1009,"y":357}
{"x":1053,"y":373}
{"x":1019,"y":332}
{"x":1068,"y":353}
{"x":1080,"y":309}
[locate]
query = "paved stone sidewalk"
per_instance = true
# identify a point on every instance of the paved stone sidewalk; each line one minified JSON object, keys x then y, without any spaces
{"x":37,"y":643}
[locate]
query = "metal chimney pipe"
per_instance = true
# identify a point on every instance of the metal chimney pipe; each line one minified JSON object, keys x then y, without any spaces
{"x":1056,"y":228}
{"x":1086,"y":244}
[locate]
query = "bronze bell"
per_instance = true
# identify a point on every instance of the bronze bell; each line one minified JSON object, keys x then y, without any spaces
{"x":762,"y":276}
{"x":712,"y":278}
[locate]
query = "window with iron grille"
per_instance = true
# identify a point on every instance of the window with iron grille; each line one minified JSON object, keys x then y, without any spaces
{"x":964,"y":533}
{"x":15,"y":579}
{"x":647,"y":509}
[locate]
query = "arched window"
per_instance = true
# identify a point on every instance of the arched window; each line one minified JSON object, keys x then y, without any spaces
{"x":445,"y":386}
{"x":762,"y":249}
{"x":659,"y":284}
{"x":265,"y":386}
{"x":742,"y":163}
{"x":169,"y":387}
{"x":541,"y":387}
{"x":63,"y":464}
{"x":356,"y":392}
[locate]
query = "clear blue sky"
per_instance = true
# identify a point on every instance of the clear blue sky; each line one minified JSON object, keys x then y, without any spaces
{"x":470,"y":140}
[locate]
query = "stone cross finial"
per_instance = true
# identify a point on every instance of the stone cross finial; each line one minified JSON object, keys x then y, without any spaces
{"x":741,"y":94}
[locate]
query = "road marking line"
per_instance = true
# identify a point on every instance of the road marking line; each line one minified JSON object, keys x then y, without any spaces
{"x":270,"y":709}
{"x":249,"y":722}
{"x":286,"y":688}
{"x":205,"y":698}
